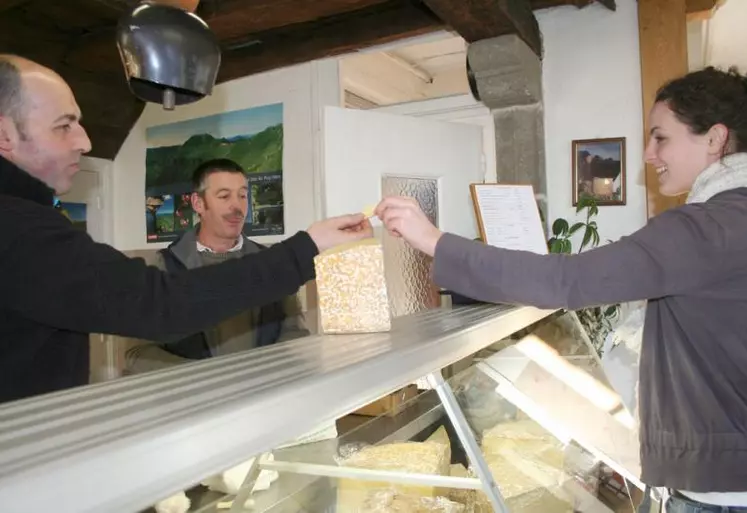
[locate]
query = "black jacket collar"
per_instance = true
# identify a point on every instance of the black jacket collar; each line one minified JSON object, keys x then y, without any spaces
{"x":18,"y":183}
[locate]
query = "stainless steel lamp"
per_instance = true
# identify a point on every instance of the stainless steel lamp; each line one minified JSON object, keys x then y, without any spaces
{"x":170,"y":56}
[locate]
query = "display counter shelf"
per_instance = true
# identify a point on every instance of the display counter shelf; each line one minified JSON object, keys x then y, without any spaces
{"x":121,"y":446}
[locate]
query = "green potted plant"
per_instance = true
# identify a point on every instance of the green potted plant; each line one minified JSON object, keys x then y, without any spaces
{"x":598,"y":320}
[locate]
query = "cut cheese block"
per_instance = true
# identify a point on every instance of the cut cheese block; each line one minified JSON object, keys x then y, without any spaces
{"x":527,"y":464}
{"x":369,"y":211}
{"x":537,"y":501}
{"x":351,"y":288}
{"x":525,"y":437}
{"x":462,"y":496}
{"x":410,"y":457}
{"x":440,"y":436}
{"x":389,"y":501}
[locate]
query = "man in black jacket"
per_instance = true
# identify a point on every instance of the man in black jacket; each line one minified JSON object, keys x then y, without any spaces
{"x":57,"y":285}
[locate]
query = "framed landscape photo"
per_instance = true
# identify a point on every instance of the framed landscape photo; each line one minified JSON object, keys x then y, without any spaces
{"x":598,"y":170}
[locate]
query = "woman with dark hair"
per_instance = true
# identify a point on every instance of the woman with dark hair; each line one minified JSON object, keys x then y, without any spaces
{"x":689,"y":262}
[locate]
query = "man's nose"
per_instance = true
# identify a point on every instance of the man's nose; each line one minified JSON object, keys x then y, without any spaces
{"x":238,"y":203}
{"x":82,"y":143}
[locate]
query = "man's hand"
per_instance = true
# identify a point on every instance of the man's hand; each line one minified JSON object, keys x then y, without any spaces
{"x":334,"y":231}
{"x":403,"y":218}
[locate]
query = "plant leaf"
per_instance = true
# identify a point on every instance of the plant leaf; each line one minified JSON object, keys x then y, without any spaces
{"x":560,"y":227}
{"x":588,"y":233}
{"x":567,"y":246}
{"x":583,"y":202}
{"x":593,"y":209}
{"x":576,"y":227}
{"x":556,"y":246}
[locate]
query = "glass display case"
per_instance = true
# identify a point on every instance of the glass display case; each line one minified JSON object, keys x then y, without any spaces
{"x":513,"y":413}
{"x":549,"y":426}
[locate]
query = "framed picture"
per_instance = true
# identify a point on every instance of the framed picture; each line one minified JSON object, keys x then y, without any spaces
{"x":599,"y":170}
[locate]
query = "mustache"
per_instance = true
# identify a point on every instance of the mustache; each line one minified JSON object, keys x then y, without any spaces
{"x":234,"y":215}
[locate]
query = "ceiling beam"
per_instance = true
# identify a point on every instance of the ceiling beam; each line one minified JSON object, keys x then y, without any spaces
{"x":693,"y":6}
{"x":6,"y":5}
{"x":545,"y":4}
{"x":230,"y":19}
{"x":336,"y":35}
{"x":484,"y":19}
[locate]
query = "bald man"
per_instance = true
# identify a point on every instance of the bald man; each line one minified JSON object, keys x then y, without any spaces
{"x":57,"y":285}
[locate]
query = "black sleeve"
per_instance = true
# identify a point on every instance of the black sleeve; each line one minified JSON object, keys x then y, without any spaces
{"x":54,"y":274}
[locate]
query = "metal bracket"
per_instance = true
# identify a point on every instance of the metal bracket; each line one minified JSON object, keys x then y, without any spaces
{"x":464,"y":432}
{"x":245,"y":491}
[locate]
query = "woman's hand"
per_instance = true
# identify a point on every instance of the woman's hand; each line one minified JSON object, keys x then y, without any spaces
{"x":402,"y":217}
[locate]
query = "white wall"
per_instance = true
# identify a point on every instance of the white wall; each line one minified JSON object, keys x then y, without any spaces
{"x":727,"y":37}
{"x":591,"y":86}
{"x":302,"y":89}
{"x":101,"y":228}
{"x":461,"y":108}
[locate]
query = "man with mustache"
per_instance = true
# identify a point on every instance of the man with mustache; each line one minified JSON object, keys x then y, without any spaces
{"x":220,"y":197}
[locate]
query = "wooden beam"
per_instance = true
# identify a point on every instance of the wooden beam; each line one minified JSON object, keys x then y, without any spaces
{"x":693,"y":6}
{"x":484,"y":19}
{"x":236,"y":18}
{"x":6,"y":5}
{"x":380,"y":24}
{"x":239,"y":22}
{"x":546,"y":4}
{"x":96,"y":52}
{"x":662,"y":29}
{"x":19,"y":36}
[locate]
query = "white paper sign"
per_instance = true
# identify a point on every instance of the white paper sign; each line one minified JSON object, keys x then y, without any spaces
{"x":510,"y":218}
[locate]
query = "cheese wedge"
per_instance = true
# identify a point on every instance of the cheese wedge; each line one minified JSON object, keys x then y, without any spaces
{"x":352,"y":290}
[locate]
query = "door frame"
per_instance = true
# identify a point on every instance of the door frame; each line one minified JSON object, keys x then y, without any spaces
{"x":461,"y":108}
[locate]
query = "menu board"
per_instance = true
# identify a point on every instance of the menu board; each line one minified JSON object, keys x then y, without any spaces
{"x":508,"y":217}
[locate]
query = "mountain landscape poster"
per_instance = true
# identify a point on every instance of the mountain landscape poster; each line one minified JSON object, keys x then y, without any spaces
{"x":251,"y":137}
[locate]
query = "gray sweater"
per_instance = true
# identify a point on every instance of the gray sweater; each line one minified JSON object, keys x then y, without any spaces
{"x":691,"y":264}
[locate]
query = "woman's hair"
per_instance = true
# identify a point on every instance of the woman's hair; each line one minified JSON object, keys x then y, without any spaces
{"x":708,"y":97}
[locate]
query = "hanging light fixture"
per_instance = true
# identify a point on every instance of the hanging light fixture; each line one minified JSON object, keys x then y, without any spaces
{"x":169,"y":54}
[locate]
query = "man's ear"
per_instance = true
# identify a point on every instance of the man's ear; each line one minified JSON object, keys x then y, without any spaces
{"x":718,"y":139}
{"x":8,"y":134}
{"x":198,"y":203}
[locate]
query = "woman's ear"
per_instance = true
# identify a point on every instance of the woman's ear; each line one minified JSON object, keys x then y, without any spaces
{"x":718,"y":139}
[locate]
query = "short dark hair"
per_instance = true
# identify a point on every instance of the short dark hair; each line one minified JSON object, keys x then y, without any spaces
{"x":11,"y":91}
{"x":207,"y":168}
{"x":708,"y":97}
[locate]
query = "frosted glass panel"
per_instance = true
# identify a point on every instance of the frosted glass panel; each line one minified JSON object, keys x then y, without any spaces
{"x":408,"y":277}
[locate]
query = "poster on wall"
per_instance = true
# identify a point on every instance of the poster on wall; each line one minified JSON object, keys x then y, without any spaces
{"x":76,"y":212}
{"x":251,"y":137}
